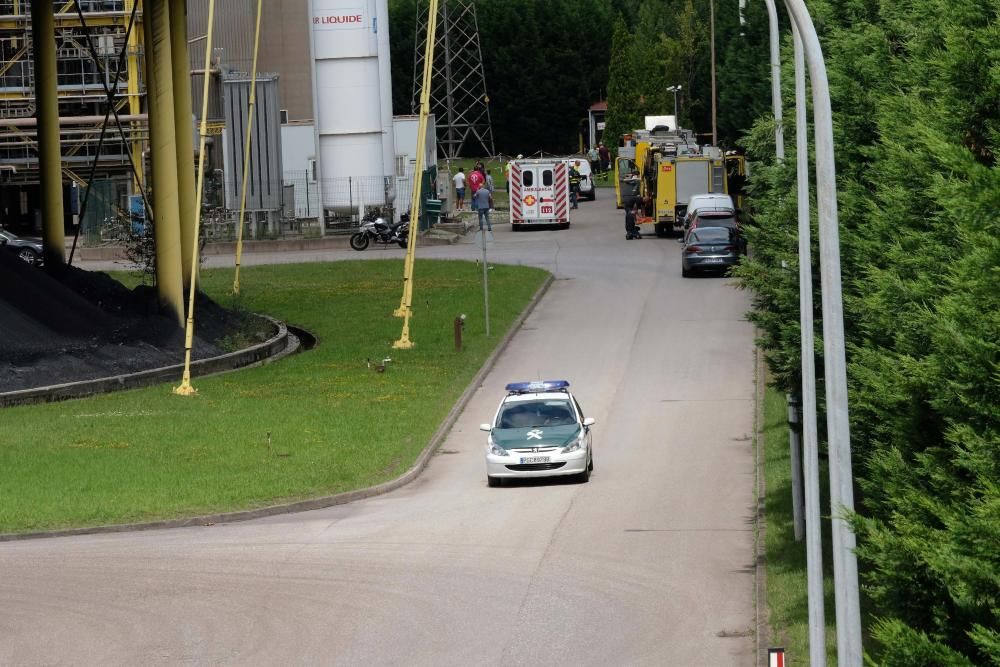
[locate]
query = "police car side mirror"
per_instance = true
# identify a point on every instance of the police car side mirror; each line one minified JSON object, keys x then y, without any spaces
{"x":589,"y":421}
{"x":485,"y":427}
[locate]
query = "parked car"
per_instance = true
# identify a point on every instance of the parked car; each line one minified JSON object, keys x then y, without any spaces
{"x":709,"y":200}
{"x":27,"y":249}
{"x":712,"y":217}
{"x":710,"y":249}
{"x":538,"y":431}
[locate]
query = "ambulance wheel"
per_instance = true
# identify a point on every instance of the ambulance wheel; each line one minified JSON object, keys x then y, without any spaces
{"x":564,"y":225}
{"x":661,"y":230}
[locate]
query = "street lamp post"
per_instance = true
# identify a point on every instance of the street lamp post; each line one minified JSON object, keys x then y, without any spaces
{"x":810,"y":450}
{"x":711,"y":11}
{"x":845,"y":565}
{"x":675,"y":89}
{"x":779,"y":135}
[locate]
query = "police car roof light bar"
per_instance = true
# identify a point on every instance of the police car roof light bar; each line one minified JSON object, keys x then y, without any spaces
{"x":537,"y":386}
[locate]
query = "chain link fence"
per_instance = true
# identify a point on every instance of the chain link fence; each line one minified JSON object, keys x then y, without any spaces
{"x":349,"y":200}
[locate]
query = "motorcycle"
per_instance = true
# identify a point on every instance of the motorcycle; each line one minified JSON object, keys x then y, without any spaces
{"x":375,"y":228}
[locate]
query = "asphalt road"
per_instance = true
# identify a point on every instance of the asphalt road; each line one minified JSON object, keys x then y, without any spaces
{"x":651,"y":563}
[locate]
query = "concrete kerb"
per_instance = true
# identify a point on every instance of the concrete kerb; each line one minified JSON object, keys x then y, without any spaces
{"x":761,"y":612}
{"x":327,"y":501}
{"x":274,"y":348}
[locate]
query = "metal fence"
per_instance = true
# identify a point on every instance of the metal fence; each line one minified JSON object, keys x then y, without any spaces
{"x":352,"y":198}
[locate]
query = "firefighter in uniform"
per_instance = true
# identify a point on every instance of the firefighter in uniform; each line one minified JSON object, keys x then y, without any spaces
{"x":574,"y":183}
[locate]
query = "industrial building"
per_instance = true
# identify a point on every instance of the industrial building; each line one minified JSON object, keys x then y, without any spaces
{"x":349,"y":158}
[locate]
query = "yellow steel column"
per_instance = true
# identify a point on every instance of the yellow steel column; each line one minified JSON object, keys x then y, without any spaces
{"x":43,"y":37}
{"x":185,"y":388}
{"x":134,"y":99}
{"x":163,"y":153}
{"x":246,"y":153}
{"x":405,"y":306}
{"x":184,"y":130}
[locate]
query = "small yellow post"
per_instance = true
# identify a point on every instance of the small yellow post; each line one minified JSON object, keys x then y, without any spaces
{"x":405,"y":305}
{"x":246,"y":151}
{"x":185,"y":388}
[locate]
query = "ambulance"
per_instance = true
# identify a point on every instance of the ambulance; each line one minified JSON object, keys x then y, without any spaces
{"x":539,"y":193}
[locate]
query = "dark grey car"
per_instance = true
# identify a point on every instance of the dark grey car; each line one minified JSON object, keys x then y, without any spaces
{"x":710,"y":249}
{"x":27,"y":249}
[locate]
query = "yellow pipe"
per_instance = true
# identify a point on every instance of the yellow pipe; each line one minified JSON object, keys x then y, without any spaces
{"x":185,"y":388}
{"x":185,"y":144}
{"x":49,"y":157}
{"x":246,"y":151}
{"x":405,"y":306}
{"x":159,"y":92}
{"x":134,"y":101}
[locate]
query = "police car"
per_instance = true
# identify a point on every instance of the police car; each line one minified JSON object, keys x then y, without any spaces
{"x":539,"y":431}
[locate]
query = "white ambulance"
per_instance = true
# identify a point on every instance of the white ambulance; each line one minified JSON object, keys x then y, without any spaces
{"x":539,"y":193}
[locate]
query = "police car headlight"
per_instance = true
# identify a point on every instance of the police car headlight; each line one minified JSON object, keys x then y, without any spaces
{"x":573,"y":446}
{"x":497,"y":450}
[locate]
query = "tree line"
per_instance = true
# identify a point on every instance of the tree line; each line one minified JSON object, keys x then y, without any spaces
{"x":915,"y":90}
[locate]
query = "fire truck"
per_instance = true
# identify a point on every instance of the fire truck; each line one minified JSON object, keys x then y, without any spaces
{"x":663,"y":167}
{"x":539,"y":193}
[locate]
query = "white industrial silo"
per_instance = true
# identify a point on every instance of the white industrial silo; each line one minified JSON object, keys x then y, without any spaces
{"x":385,"y":91}
{"x":352,"y":102}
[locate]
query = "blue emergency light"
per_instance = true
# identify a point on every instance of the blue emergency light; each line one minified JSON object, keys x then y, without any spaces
{"x":537,"y":386}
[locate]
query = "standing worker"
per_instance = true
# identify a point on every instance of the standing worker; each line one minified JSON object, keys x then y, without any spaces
{"x":459,"y":180}
{"x":605,"y":155}
{"x":574,"y":184}
{"x":507,"y":172}
{"x":594,"y":157}
{"x":481,"y":203}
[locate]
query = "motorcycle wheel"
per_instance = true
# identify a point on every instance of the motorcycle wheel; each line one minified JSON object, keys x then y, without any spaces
{"x":359,"y":241}
{"x":403,"y":236}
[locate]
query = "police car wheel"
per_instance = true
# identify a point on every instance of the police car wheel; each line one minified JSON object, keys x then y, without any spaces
{"x":493,"y":482}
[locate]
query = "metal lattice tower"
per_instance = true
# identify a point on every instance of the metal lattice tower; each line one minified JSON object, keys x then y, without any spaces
{"x":458,"y":93}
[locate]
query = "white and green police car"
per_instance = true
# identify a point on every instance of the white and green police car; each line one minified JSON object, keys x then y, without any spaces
{"x":539,"y":431}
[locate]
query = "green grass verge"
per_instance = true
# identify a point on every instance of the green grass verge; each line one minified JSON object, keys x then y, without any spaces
{"x":787,"y":594}
{"x":334,"y":424}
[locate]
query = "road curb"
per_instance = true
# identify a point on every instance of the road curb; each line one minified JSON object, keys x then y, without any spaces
{"x":762,"y":626}
{"x":326,"y":501}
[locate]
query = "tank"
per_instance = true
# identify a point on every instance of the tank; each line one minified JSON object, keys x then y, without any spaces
{"x":352,"y":102}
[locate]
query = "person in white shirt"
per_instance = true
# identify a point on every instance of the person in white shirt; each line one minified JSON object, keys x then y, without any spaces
{"x":459,"y":180}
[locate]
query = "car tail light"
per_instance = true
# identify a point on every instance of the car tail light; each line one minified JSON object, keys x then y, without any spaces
{"x":730,"y":248}
{"x":693,"y":248}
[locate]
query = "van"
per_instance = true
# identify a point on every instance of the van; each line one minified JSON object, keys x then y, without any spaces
{"x":539,"y":193}
{"x":709,"y":200}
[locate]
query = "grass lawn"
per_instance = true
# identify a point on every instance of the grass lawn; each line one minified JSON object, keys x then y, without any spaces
{"x":787,"y":595}
{"x":316,"y":423}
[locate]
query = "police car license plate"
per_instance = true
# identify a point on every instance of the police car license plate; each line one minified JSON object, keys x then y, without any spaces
{"x":534,"y":459}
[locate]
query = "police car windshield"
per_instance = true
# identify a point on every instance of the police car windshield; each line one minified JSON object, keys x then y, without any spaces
{"x":533,"y":414}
